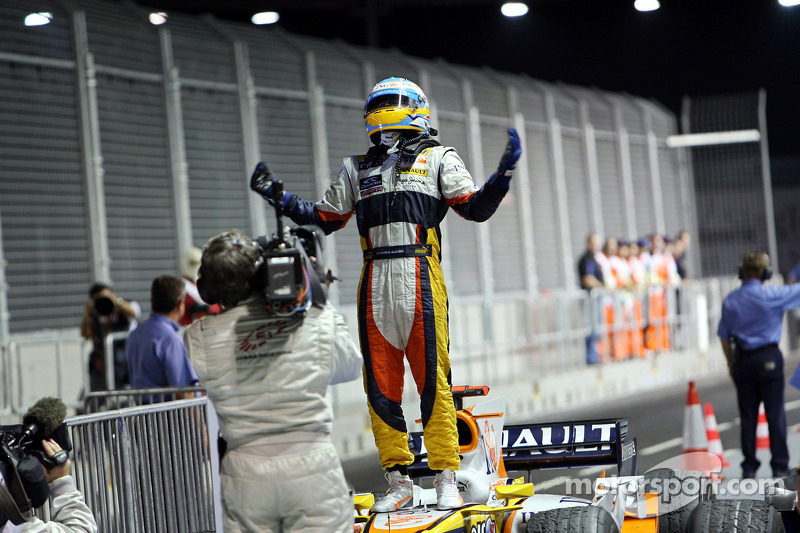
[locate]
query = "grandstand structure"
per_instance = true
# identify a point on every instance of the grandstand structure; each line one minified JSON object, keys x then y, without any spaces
{"x":124,"y":143}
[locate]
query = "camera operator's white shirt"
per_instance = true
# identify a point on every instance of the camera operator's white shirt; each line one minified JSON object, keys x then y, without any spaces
{"x":268,"y":375}
{"x":68,"y":509}
{"x":268,"y":378}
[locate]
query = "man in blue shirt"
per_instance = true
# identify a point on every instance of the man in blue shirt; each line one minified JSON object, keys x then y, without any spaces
{"x":750,"y":330}
{"x":156,"y":353}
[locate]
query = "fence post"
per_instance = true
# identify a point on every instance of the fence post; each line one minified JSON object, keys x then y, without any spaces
{"x":702,"y":322}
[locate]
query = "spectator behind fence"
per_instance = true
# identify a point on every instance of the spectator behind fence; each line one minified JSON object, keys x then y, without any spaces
{"x":68,"y":510}
{"x":750,"y":330}
{"x":155,"y":352}
{"x":107,"y":313}
{"x":590,"y":275}
{"x":679,"y":248}
{"x":267,"y":369}
{"x":682,"y":244}
{"x":195,"y":307}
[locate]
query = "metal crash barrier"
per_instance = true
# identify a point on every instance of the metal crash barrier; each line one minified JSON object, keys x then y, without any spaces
{"x":546,"y":334}
{"x":55,"y":344}
{"x":146,"y":468}
{"x":120,"y":399}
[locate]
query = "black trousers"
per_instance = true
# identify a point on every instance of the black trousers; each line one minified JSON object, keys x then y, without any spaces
{"x":758,"y":375}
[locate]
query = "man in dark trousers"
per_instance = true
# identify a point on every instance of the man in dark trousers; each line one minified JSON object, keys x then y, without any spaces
{"x":590,"y":276}
{"x":750,"y":330}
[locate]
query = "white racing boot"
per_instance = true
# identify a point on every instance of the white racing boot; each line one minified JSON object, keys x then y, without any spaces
{"x":400,"y":493}
{"x":447,"y":495}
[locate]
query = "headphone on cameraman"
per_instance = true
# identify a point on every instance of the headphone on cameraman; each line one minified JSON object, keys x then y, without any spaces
{"x":765,"y":274}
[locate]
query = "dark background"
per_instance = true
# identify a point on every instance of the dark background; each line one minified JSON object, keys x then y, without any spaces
{"x":688,"y":47}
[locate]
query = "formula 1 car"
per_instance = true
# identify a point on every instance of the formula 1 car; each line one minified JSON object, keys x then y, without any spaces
{"x":495,"y":502}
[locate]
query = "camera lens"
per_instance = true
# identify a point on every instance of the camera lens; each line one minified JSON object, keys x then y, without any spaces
{"x":104,"y":305}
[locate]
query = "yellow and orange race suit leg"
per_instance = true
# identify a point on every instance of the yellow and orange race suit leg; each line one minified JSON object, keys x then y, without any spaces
{"x":426,"y":348}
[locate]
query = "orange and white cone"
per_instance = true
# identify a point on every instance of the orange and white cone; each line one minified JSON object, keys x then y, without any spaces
{"x":695,"y":441}
{"x":762,"y":430}
{"x":712,"y":434}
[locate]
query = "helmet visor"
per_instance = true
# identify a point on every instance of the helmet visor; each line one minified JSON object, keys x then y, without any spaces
{"x":390,"y":100}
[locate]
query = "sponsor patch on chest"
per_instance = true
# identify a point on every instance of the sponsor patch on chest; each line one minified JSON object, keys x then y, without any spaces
{"x":415,"y":171}
{"x":370,"y":185}
{"x":364,"y":165}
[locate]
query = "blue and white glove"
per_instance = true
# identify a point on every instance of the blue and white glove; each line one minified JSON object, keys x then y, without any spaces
{"x":262,"y":181}
{"x":502,"y":178}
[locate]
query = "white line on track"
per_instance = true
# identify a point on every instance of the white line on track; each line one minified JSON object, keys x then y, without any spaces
{"x":667,"y":444}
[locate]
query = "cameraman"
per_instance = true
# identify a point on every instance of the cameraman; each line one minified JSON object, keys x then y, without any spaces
{"x":67,"y":507}
{"x":266,"y":370}
{"x":107,"y":313}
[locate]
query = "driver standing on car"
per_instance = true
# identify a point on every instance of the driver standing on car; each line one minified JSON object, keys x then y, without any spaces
{"x":267,"y":372}
{"x":400,"y":191}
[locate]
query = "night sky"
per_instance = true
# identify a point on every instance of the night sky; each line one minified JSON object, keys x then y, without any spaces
{"x":688,"y":47}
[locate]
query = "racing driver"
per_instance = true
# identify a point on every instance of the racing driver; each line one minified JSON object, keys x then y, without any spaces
{"x":400,"y":191}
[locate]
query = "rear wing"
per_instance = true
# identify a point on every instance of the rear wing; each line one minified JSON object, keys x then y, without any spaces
{"x":556,"y":445}
{"x":569,"y":444}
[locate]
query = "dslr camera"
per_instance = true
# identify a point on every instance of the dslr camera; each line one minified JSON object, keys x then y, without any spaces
{"x":103,"y":306}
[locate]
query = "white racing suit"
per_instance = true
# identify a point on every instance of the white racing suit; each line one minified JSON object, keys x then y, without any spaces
{"x":68,"y":511}
{"x":402,"y":299}
{"x":268,"y":378}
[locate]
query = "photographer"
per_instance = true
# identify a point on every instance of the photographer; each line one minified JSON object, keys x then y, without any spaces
{"x":107,"y":313}
{"x":67,"y":508}
{"x":266,"y":365}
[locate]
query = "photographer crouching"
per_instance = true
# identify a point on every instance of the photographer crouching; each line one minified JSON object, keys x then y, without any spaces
{"x":266,"y":362}
{"x":35,"y":468}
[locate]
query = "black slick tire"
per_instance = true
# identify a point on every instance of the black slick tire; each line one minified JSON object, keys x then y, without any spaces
{"x":735,"y":516}
{"x":582,"y":519}
{"x":680,"y":491}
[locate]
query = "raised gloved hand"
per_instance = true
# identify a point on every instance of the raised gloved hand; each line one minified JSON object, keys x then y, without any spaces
{"x":502,"y":178}
{"x":262,"y":181}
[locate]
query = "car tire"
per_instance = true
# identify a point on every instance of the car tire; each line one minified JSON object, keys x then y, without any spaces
{"x":583,"y":519}
{"x":695,"y":488}
{"x":734,"y":516}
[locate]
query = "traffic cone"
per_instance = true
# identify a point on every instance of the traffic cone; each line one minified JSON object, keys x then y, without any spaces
{"x":712,"y":434}
{"x":694,"y":429}
{"x":762,"y":430}
{"x":695,"y":441}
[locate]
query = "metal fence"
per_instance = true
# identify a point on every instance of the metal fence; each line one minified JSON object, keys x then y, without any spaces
{"x":146,"y":468}
{"x":543,"y":335}
{"x":732,"y":182}
{"x":46,"y":370}
{"x":120,"y":399}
